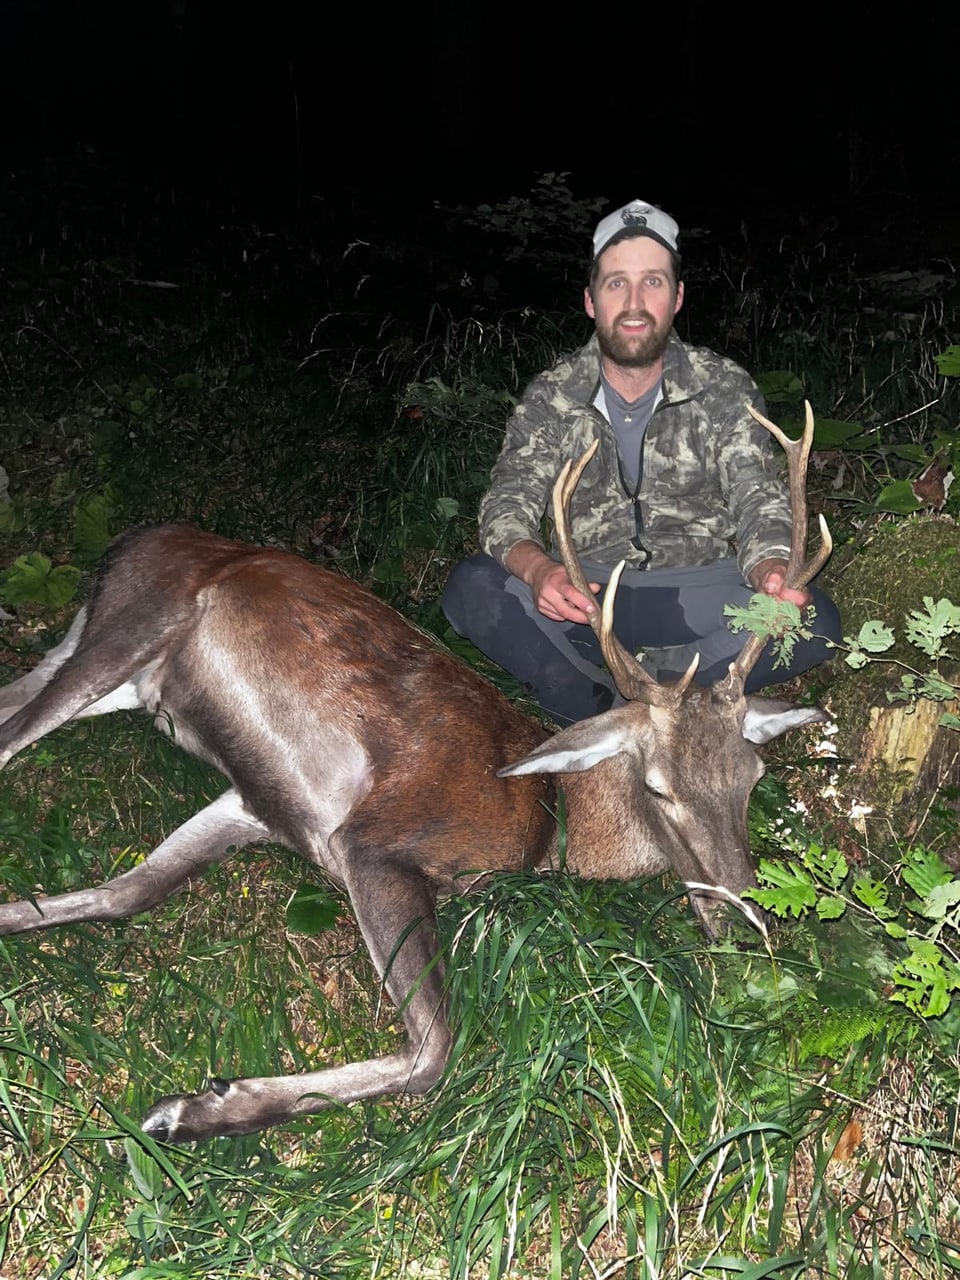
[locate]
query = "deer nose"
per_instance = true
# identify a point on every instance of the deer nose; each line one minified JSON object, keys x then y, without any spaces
{"x":717,"y":913}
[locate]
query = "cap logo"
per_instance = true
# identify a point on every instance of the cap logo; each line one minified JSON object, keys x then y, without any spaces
{"x":640,"y":218}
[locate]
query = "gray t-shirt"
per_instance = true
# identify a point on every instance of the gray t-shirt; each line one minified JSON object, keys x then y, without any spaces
{"x":629,"y":419}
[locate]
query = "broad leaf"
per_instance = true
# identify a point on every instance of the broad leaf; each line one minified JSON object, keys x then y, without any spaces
{"x":948,"y":362}
{"x":148,"y":1177}
{"x":929,"y":628}
{"x":791,"y":891}
{"x":898,"y":498}
{"x":924,"y":870}
{"x":875,"y":636}
{"x":924,"y":979}
{"x":778,"y":385}
{"x":92,"y":525}
{"x":828,"y":865}
{"x":831,"y":433}
{"x":32,"y":579}
{"x":873,"y":894}
{"x":313,"y":909}
{"x":831,"y":908}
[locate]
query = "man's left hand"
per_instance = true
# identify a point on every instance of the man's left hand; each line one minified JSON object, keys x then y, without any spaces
{"x":769,"y":576}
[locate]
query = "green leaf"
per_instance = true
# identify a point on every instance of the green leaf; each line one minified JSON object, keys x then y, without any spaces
{"x":940,"y":900}
{"x":148,"y":1177}
{"x":92,"y":516}
{"x":874,"y":894}
{"x":949,"y":721}
{"x":875,"y":636}
{"x":447,"y":508}
{"x":948,"y":362}
{"x":147,"y":1223}
{"x":764,"y":615}
{"x":313,"y":909}
{"x":830,"y":433}
{"x":828,"y":865}
{"x":898,"y":498}
{"x":923,"y":870}
{"x":908,"y":452}
{"x":31,"y":579}
{"x":778,"y":385}
{"x":390,"y":570}
{"x":62,"y":489}
{"x":768,"y":1269}
{"x":791,"y":892}
{"x":936,"y":688}
{"x":923,"y":979}
{"x":13,"y":518}
{"x":831,"y":908}
{"x":856,"y":659}
{"x":929,"y":628}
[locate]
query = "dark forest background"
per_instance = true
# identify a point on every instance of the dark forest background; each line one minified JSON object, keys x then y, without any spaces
{"x":691,"y":104}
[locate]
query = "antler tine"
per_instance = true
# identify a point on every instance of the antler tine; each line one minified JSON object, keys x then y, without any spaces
{"x":800,"y":569}
{"x":630,"y":678}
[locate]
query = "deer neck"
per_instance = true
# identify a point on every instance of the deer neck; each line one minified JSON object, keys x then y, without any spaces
{"x":606,"y":837}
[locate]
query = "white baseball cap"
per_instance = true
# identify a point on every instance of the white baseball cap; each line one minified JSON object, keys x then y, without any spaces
{"x":636,"y":218}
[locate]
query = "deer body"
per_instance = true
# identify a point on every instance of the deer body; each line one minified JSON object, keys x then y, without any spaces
{"x":352,"y":738}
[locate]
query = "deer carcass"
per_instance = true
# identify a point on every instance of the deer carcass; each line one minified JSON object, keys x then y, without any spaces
{"x":349,"y":736}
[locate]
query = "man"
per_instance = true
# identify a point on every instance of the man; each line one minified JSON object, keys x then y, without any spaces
{"x":685,"y":487}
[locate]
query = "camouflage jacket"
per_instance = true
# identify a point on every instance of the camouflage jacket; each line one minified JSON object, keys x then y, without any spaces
{"x":711,"y":485}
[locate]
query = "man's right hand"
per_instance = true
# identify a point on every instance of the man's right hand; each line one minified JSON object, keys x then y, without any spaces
{"x":553,"y":593}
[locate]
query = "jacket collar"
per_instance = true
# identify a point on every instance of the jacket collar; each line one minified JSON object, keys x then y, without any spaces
{"x":680,"y":381}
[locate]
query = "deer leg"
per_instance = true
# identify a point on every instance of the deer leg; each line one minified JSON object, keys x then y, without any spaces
{"x":94,"y":670}
{"x":73,"y":690}
{"x":18,"y":693}
{"x":394,"y":907}
{"x":203,"y":840}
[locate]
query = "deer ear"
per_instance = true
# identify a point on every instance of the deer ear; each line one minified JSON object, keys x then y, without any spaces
{"x":767,"y":718}
{"x":575,"y":749}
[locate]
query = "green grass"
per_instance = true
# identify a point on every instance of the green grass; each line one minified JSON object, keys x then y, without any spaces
{"x":623,"y":1100}
{"x":611,"y":1102}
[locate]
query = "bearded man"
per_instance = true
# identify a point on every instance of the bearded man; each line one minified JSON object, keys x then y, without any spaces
{"x":685,"y":487}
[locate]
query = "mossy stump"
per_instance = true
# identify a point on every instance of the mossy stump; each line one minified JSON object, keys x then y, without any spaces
{"x":904,"y":763}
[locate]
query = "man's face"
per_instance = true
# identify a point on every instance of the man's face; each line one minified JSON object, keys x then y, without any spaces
{"x":633,"y":302}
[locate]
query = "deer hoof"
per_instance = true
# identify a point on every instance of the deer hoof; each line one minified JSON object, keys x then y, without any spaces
{"x":189,"y":1117}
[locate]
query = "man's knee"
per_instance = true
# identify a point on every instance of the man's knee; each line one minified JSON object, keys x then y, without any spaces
{"x":471,"y":588}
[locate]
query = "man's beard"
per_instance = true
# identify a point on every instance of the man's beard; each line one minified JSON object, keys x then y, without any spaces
{"x":638,"y":352}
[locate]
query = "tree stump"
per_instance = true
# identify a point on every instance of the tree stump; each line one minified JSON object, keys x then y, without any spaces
{"x":903,"y":763}
{"x":907,"y":744}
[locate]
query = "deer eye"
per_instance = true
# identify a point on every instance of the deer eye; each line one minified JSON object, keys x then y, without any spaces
{"x":656,"y":784}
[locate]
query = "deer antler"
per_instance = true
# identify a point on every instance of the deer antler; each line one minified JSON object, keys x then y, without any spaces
{"x":630,"y":678}
{"x":800,"y":570}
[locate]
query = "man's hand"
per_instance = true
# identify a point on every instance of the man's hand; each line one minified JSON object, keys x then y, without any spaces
{"x":769,"y":575}
{"x":557,"y":598}
{"x":553,"y":593}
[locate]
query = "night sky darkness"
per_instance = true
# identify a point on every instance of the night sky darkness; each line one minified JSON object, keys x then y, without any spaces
{"x":805,"y":106}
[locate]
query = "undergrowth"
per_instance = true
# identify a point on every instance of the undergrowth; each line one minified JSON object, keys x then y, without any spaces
{"x":623,"y":1100}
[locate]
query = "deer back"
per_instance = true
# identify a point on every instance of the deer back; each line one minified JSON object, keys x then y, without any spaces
{"x":321,"y":704}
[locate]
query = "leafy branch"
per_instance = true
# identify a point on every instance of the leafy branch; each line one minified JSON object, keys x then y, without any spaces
{"x":928,"y":924}
{"x":769,"y":618}
{"x":928,"y":630}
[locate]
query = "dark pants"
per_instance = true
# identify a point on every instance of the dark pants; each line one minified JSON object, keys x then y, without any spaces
{"x":679,"y":611}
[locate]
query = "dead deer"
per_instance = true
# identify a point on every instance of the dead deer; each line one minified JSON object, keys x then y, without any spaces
{"x":352,"y":738}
